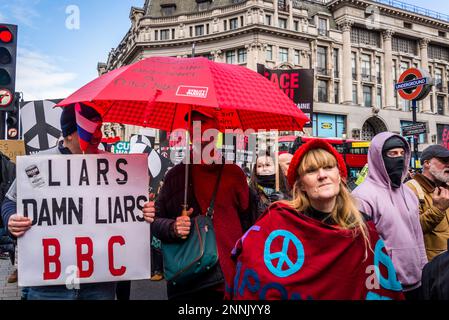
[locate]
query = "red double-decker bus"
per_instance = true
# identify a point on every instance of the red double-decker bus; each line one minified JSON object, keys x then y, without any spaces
{"x":355,"y":152}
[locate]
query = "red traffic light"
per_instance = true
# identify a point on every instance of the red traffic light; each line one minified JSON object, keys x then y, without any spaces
{"x":5,"y":35}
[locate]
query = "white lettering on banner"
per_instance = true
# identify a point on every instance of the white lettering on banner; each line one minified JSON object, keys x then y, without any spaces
{"x":86,"y":213}
{"x":191,"y":91}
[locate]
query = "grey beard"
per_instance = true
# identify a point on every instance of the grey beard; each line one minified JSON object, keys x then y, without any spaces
{"x":439,"y":175}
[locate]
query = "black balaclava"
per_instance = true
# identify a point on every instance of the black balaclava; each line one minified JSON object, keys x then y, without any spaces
{"x":267,"y":181}
{"x":394,"y":166}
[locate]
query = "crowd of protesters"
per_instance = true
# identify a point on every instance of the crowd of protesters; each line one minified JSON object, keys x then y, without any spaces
{"x":289,"y":228}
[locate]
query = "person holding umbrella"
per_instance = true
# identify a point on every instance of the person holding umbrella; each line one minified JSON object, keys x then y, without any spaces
{"x":231,"y":205}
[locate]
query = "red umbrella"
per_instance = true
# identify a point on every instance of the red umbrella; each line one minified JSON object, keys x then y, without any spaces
{"x":157,"y":92}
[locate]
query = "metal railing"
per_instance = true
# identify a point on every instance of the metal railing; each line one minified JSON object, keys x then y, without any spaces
{"x":323,"y":72}
{"x":368,"y":78}
{"x":414,"y":9}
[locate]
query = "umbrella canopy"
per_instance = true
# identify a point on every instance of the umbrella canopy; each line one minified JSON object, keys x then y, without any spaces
{"x":158,"y":92}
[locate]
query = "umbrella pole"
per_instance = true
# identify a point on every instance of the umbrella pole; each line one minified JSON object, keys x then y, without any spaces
{"x":185,"y":205}
{"x":276,"y":158}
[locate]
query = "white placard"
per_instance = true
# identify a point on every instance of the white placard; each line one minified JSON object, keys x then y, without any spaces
{"x":86,"y":212}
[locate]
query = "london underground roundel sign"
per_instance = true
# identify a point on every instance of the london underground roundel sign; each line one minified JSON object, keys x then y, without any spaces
{"x":414,"y":84}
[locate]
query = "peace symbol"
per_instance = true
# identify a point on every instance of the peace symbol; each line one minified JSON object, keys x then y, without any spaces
{"x":282,"y":256}
{"x":391,"y":282}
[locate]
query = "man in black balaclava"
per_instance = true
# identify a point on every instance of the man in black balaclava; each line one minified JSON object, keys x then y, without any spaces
{"x":393,"y":153}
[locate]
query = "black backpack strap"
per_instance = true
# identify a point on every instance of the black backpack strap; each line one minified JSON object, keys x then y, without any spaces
{"x":210,"y":210}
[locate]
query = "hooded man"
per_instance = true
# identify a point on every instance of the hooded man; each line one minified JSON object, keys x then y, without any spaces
{"x":394,"y":208}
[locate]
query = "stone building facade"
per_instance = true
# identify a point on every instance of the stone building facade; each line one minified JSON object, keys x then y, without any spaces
{"x":358,"y":49}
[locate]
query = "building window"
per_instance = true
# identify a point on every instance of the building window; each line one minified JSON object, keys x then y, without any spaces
{"x":322,"y":27}
{"x":242,"y":55}
{"x":168,"y":10}
{"x":336,"y":64}
{"x":296,"y":25}
{"x":336,"y":92}
{"x":199,"y":30}
{"x":379,"y":98}
{"x":354,"y":94}
{"x":438,"y":52}
{"x":297,"y":57}
{"x":225,"y":25}
{"x":439,"y":79}
{"x":432,"y":107}
{"x":322,"y":60}
{"x":378,"y":71}
{"x":365,"y":37}
{"x":269,"y":53}
{"x":394,"y":72}
{"x":233,"y":24}
{"x":268,"y":20}
{"x":156,"y":37}
{"x":207,"y":28}
{"x":367,"y":96}
{"x":283,"y":54}
{"x":404,"y":45}
{"x":404,"y":66}
{"x":173,"y":34}
{"x":241,"y":21}
{"x":328,"y":125}
{"x":322,"y":91}
{"x":203,"y":5}
{"x":366,"y":67}
{"x":282,"y":23}
{"x":354,"y":65}
{"x":440,"y":105}
{"x":230,"y":56}
{"x":191,"y":31}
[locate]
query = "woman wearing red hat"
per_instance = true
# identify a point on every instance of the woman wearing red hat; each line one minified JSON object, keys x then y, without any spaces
{"x":317,"y":246}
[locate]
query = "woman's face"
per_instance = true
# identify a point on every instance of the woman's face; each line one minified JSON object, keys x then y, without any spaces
{"x":321,"y":184}
{"x":265,"y":166}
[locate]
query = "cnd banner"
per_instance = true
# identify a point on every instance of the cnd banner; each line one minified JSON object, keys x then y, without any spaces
{"x":296,"y":83}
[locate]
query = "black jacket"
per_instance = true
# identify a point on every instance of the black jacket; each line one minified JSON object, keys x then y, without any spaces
{"x":168,"y":208}
{"x":435,"y":278}
{"x":7,"y":176}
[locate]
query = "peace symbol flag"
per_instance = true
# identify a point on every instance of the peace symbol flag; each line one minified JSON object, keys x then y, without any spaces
{"x":290,"y":256}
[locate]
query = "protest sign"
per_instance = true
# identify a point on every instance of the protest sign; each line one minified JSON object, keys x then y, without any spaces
{"x":297,"y":84}
{"x":87,"y":223}
{"x":12,"y":148}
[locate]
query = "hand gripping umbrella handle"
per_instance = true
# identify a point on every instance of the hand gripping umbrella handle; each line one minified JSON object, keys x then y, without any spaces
{"x":184,"y":213}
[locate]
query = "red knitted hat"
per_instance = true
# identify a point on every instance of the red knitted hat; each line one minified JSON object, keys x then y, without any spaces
{"x":292,"y":174}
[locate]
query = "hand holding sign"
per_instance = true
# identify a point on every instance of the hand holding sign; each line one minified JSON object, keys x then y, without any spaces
{"x":18,"y":225}
{"x":149,"y":210}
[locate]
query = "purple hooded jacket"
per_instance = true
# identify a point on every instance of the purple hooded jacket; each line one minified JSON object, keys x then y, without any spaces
{"x":395,"y":213}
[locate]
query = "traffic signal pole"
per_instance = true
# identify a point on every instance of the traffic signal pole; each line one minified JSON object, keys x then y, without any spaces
{"x":416,"y":136}
{"x":2,"y":125}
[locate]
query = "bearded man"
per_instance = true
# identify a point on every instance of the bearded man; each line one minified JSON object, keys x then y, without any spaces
{"x":432,"y":189}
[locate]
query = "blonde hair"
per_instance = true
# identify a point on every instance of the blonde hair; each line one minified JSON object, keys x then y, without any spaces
{"x":345,"y":212}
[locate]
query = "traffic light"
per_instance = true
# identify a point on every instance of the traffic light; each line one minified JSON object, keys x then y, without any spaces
{"x":8,"y":54}
{"x":12,"y":120}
